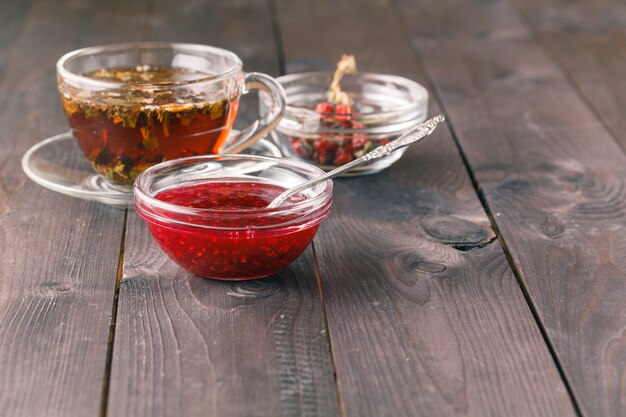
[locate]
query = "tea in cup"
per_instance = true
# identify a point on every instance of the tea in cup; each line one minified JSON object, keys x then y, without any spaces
{"x":134,"y":105}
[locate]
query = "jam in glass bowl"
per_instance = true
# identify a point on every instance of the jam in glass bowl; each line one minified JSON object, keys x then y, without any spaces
{"x":383,"y":107}
{"x":209,"y":213}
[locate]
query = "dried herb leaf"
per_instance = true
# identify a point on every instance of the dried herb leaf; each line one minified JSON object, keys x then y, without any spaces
{"x":116,"y":172}
{"x":69,"y":105}
{"x":217,"y":110}
{"x":150,"y":140}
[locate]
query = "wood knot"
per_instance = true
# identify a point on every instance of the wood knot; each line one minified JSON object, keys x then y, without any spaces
{"x":552,"y":229}
{"x":572,"y":177}
{"x":515,"y":186}
{"x":430,"y":267}
{"x":52,"y":289}
{"x":458,"y":233}
{"x":253,"y":289}
{"x":410,"y":261}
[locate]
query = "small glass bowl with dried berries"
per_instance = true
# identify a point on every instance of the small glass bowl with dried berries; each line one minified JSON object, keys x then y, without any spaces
{"x":381,"y":107}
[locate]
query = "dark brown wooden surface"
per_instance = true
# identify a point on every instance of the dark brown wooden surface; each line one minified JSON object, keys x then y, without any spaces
{"x":406,"y":304}
{"x":185,"y":346}
{"x":414,"y":282}
{"x":59,"y":255}
{"x":588,"y":41}
{"x":552,"y":175}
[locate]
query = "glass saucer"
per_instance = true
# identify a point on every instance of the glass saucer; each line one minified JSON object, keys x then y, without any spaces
{"x":58,"y":164}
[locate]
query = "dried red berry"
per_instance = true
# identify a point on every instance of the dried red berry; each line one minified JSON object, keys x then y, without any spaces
{"x":296,"y":146}
{"x":358,"y":143}
{"x":343,"y":156}
{"x":324,"y":108}
{"x":325,"y":150}
{"x":343,"y":113}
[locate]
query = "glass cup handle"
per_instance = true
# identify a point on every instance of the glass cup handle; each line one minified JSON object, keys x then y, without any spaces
{"x":260,"y":128}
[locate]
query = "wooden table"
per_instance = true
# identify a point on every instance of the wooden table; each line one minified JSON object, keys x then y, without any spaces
{"x":484,"y":274}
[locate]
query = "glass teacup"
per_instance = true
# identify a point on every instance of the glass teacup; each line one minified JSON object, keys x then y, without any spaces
{"x":133,"y":105}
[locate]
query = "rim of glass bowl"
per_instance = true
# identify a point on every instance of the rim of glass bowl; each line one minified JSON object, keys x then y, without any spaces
{"x":382,"y":122}
{"x":68,"y":75}
{"x":310,"y":207}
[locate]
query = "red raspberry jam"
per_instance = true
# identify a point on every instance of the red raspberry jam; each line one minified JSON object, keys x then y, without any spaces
{"x":230,"y":241}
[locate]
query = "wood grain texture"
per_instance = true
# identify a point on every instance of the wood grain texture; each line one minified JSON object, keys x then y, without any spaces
{"x":59,"y":255}
{"x":194,"y":347}
{"x":187,"y":346}
{"x":588,"y":40}
{"x":553,"y":178}
{"x":425,"y":315}
{"x":12,"y":15}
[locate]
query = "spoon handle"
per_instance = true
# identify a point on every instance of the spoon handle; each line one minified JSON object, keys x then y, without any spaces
{"x":418,"y":132}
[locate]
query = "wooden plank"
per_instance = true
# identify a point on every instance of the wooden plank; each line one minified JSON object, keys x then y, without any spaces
{"x":12,"y":14}
{"x":551,"y":174}
{"x":193,"y":347}
{"x":425,"y":315}
{"x":588,"y":41}
{"x":59,"y":255}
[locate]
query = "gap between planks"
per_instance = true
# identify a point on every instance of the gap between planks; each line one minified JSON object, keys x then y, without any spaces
{"x":104,"y":401}
{"x":318,"y":277}
{"x":282,"y":66}
{"x":536,"y":37}
{"x":487,"y":208}
{"x":278,"y":37}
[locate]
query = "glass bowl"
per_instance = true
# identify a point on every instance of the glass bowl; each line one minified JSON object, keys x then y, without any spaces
{"x":209,"y":214}
{"x":383,"y":107}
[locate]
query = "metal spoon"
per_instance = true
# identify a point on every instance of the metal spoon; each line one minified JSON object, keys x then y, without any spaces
{"x":418,"y":132}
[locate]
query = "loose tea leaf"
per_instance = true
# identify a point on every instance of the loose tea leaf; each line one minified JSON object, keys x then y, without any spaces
{"x":124,"y":131}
